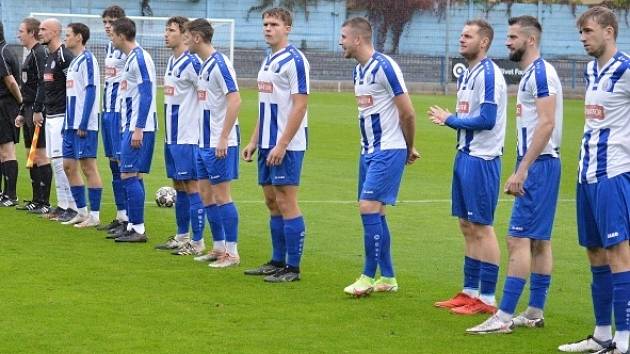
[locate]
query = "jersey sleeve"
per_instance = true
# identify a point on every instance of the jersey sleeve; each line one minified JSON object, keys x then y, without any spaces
{"x":541,"y":86}
{"x":394,"y":82}
{"x":4,"y":66}
{"x":298,"y":75}
{"x":225,"y":77}
{"x":485,"y":85}
{"x":65,"y":58}
{"x":40,"y":64}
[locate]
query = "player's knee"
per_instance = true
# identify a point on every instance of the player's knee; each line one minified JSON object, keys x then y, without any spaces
{"x":516,"y":244}
{"x":540,"y":247}
{"x":597,"y":256}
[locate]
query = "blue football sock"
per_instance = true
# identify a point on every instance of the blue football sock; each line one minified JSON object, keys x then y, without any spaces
{"x":602,"y":293}
{"x":512,"y":290}
{"x":385,"y":257}
{"x":197,"y":216}
{"x":135,"y":200}
{"x":294,"y":233}
{"x":182,"y":212}
{"x":94,"y":194}
{"x":120,"y":197}
{"x":372,"y":233}
{"x":216,"y":226}
{"x":538,"y":289}
{"x":621,"y":300}
{"x":229,"y":217}
{"x":279,"y":247}
{"x":488,"y":276}
{"x":78,"y":193}
{"x":472,"y":269}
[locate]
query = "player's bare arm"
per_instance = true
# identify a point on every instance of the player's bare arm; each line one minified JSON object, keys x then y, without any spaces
{"x":407,"y":117}
{"x":294,"y":122}
{"x":233,"y":106}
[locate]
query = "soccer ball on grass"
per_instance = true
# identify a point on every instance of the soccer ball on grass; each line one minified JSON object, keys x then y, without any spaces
{"x":165,"y":197}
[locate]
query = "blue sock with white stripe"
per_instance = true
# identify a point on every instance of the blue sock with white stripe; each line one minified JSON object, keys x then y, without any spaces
{"x":78,"y":193}
{"x":216,"y":226}
{"x":372,"y":233}
{"x":294,"y":233}
{"x":538,"y":289}
{"x":229,"y":217}
{"x":512,"y":290}
{"x":472,"y":269}
{"x":94,"y":194}
{"x":385,"y":257}
{"x":182,"y":212}
{"x":488,"y":277}
{"x":621,"y":300}
{"x":197,"y":215}
{"x":602,"y":293}
{"x":278,"y":243}
{"x":135,"y":200}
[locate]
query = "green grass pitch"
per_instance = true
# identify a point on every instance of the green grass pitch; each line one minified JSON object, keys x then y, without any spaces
{"x":69,"y":291}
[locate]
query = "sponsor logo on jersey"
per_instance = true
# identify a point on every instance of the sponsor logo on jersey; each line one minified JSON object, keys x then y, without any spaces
{"x":594,"y":111}
{"x":463,"y":107}
{"x":110,"y":71}
{"x":49,"y":77}
{"x":69,"y":83}
{"x":519,"y":110}
{"x":202,"y":95}
{"x":265,"y":87}
{"x":169,"y":91}
{"x":365,"y":101}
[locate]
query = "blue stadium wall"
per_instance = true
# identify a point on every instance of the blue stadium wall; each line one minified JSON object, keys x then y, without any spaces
{"x":424,"y":35}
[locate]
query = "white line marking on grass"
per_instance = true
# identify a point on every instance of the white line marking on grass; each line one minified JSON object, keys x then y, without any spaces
{"x":418,"y":201}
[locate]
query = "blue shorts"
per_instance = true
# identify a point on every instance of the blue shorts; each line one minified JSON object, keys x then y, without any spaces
{"x":180,"y":161}
{"x":475,"y":188}
{"x":217,"y":170}
{"x":603,"y":211}
{"x":75,"y":147}
{"x":136,"y":160}
{"x":111,"y":130}
{"x":380,"y":174}
{"x":533,"y":213}
{"x":285,"y":174}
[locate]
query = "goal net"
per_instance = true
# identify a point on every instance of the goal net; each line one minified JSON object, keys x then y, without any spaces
{"x":149,"y":34}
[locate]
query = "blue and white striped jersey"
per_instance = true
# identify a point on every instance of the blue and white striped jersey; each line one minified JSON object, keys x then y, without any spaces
{"x":539,"y":80}
{"x":114,"y":65}
{"x":138,"y":90}
{"x":182,"y":111}
{"x":375,"y":87}
{"x":481,"y":84}
{"x":83,"y":86}
{"x":281,"y":75}
{"x":605,"y":150}
{"x":217,"y":79}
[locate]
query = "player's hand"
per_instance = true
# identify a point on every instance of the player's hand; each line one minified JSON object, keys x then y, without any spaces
{"x":276,"y":155}
{"x":136,"y":138}
{"x":515,"y":184}
{"x":248,"y":152}
{"x":438,"y":115}
{"x":81,"y":133}
{"x":221,"y":150}
{"x":412,"y":155}
{"x":38,"y":119}
{"x":19,"y":121}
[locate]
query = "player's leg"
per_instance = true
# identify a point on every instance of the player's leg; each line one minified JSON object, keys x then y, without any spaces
{"x":28,"y":129}
{"x":71,"y":169}
{"x":95,"y":191}
{"x":197,"y":220}
{"x":229,"y":220}
{"x":387,"y":282}
{"x":110,"y":130}
{"x":619,"y":260}
{"x":54,"y":149}
{"x":10,"y":173}
{"x":182,"y":206}
{"x":45,"y":176}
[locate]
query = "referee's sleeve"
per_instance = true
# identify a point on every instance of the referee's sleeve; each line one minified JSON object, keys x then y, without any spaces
{"x":4,"y":68}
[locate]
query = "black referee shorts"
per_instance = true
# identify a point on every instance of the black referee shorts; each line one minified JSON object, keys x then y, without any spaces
{"x":8,"y":111}
{"x":28,"y":130}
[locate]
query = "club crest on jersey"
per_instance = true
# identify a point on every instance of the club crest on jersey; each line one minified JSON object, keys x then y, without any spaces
{"x":69,"y":83}
{"x":169,"y":90}
{"x":265,"y":87}
{"x":463,"y":107}
{"x":365,"y":101}
{"x":48,"y":77}
{"x":202,"y":95}
{"x":24,"y":76}
{"x":594,"y":111}
{"x":123,"y":85}
{"x":519,"y":110}
{"x":52,"y":65}
{"x":110,"y":71}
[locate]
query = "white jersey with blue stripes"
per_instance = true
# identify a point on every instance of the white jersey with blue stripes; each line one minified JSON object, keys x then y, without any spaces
{"x":539,"y":80}
{"x":216,"y":81}
{"x":281,"y":75}
{"x":114,"y":66}
{"x":605,"y":151}
{"x":375,"y":86}
{"x":82,"y":73}
{"x":182,"y":111}
{"x":484,"y":83}
{"x":138,"y":90}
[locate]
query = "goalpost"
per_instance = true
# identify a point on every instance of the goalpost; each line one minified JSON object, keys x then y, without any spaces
{"x":149,"y":34}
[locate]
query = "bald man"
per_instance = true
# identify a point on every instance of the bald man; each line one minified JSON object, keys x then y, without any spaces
{"x":59,"y":58}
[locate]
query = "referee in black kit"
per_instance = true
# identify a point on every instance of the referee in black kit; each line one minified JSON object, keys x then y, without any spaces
{"x":10,"y":101}
{"x":32,"y":110}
